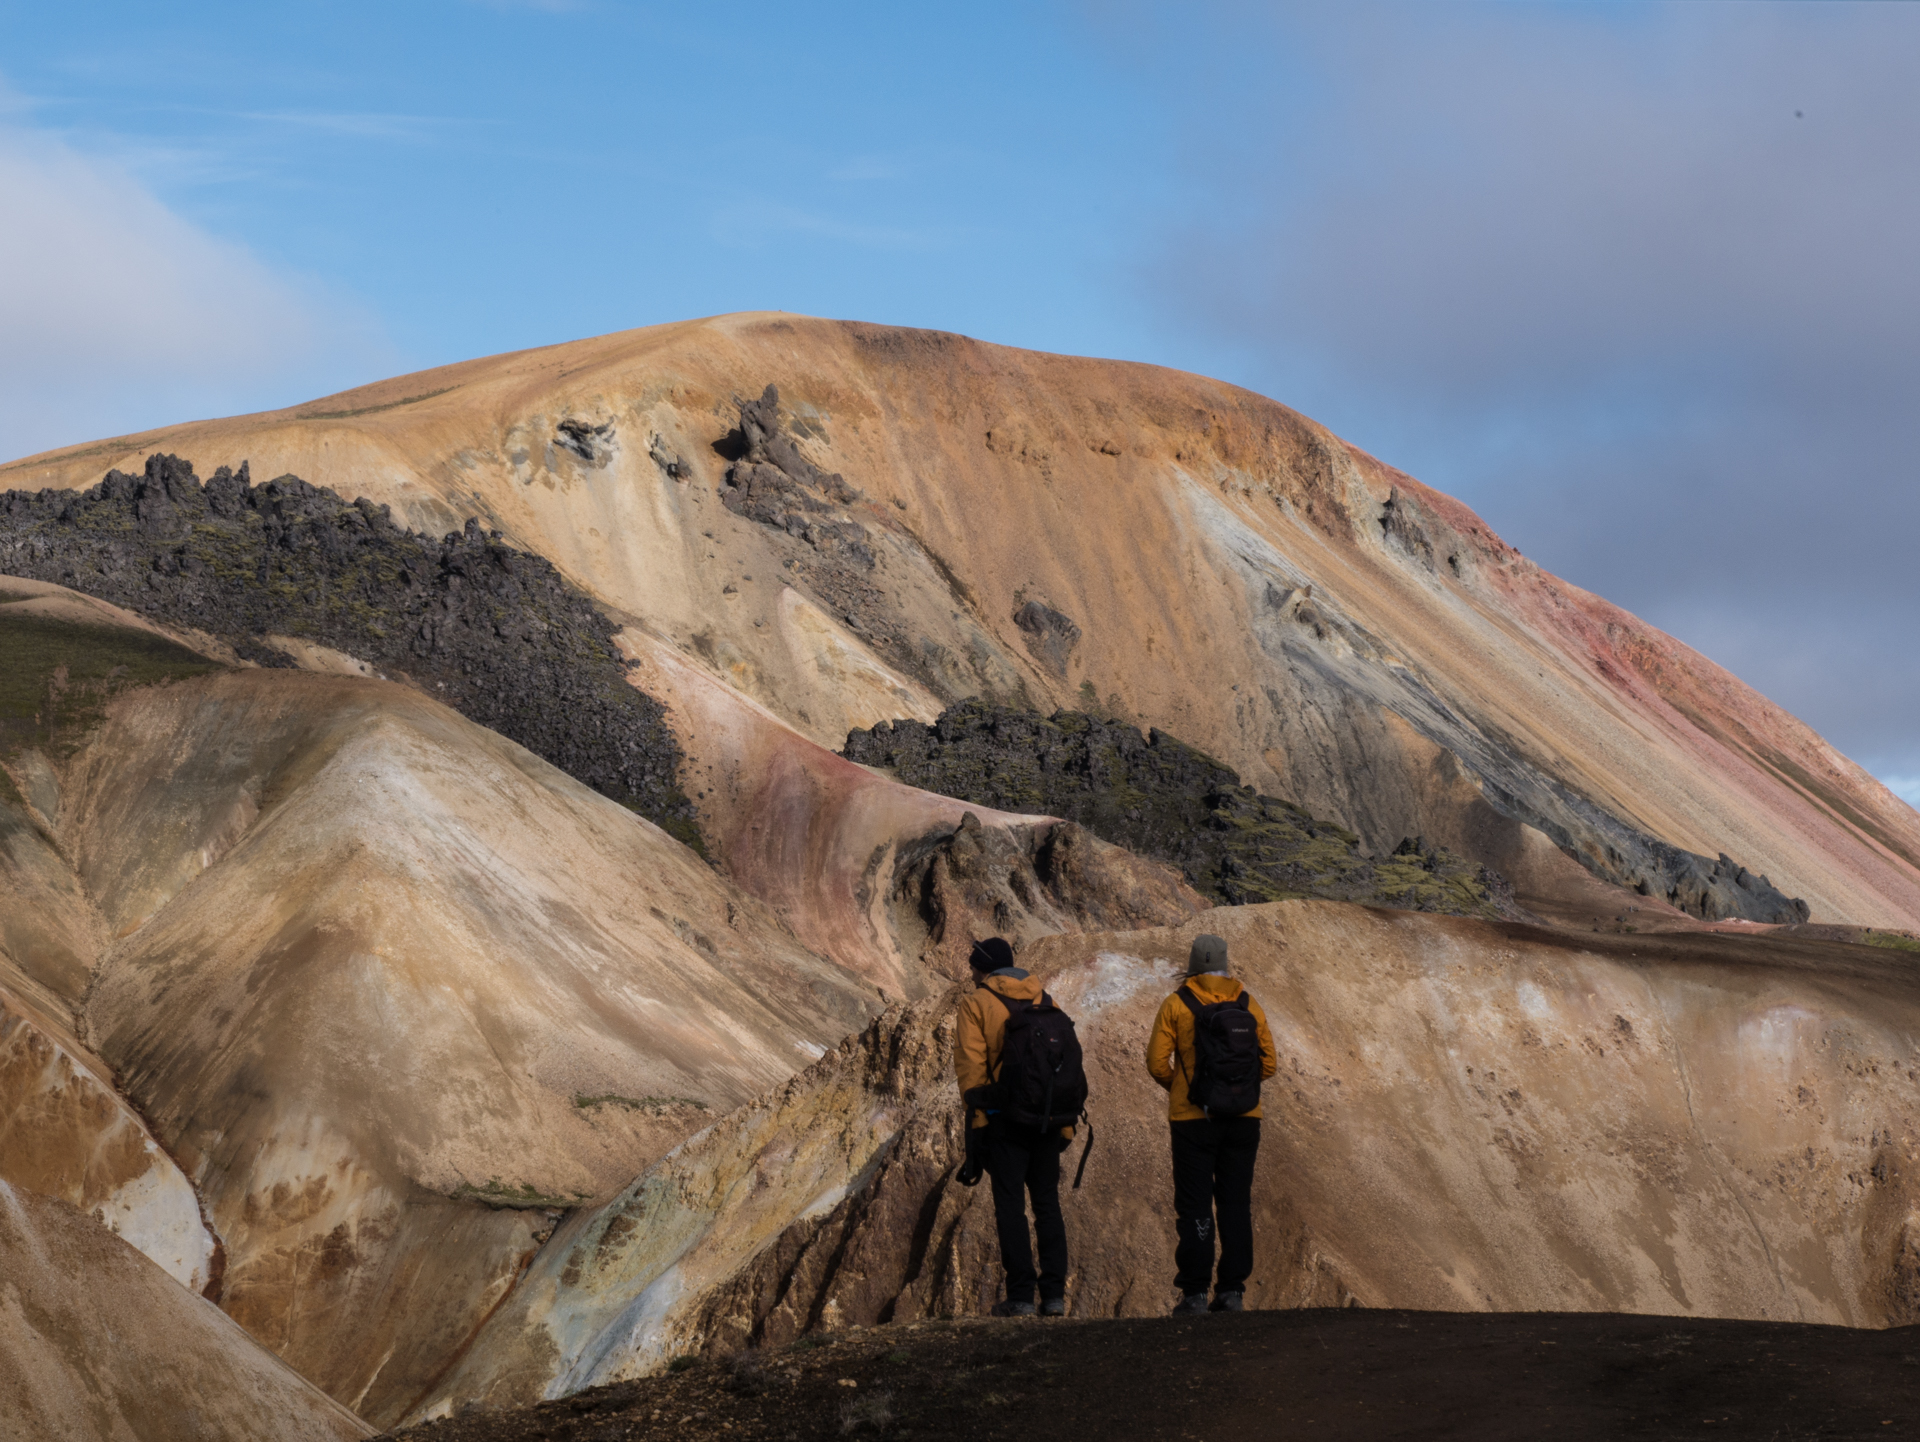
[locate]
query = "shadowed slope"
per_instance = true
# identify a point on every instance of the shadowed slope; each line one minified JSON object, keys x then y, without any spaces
{"x":388,"y":986}
{"x":396,"y":993}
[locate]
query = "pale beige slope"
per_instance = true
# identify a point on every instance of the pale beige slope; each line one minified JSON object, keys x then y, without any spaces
{"x":370,"y":956}
{"x":1467,"y":1117}
{"x":97,"y":1344}
{"x":1238,"y":576}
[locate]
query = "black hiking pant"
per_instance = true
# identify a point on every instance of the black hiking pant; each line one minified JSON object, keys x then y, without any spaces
{"x":1026,"y":1163}
{"x":1213,"y":1190}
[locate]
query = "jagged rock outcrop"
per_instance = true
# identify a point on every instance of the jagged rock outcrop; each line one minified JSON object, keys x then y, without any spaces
{"x":496,"y":633}
{"x":585,"y":440}
{"x":774,"y":484}
{"x":1448,"y":1131}
{"x":1160,"y":798}
{"x":98,"y":1342}
{"x":950,"y":889}
{"x":1051,"y":635}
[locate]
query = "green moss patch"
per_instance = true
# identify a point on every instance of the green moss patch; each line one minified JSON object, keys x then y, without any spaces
{"x":498,"y":1194}
{"x":655,"y":1105}
{"x":56,"y":676}
{"x":1892,"y":940}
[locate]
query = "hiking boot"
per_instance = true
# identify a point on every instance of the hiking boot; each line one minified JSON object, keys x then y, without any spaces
{"x":1013,"y":1309}
{"x":1054,"y":1307}
{"x":1194,"y":1304}
{"x":1228,"y":1302}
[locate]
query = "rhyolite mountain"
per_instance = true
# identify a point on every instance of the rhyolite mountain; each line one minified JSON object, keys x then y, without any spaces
{"x":485,"y":858}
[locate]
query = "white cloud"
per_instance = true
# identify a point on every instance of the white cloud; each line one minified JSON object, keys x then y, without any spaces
{"x":117,"y":314}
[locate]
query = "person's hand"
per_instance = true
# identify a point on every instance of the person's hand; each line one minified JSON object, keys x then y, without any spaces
{"x":1066,"y":1140}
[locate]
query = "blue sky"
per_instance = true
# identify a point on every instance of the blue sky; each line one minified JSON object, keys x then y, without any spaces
{"x":1636,"y":281}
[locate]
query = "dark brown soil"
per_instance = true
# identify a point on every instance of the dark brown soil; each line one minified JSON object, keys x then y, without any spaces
{"x":1351,"y":1374}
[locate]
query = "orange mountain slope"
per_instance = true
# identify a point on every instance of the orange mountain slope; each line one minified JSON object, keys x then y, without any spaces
{"x":968,"y":519}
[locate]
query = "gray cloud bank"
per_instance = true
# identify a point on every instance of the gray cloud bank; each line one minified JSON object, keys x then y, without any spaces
{"x":1642,"y":285}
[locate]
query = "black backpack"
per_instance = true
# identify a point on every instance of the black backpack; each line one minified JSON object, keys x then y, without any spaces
{"x":1041,"y":1083}
{"x":1226,"y":1055}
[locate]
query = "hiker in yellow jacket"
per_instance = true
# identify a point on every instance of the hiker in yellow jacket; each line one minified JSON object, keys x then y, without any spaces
{"x":1022,"y":1162}
{"x":1210,"y":1048}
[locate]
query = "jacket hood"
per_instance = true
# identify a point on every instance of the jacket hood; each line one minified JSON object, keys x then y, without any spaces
{"x":1019,"y":988}
{"x":1214,"y":988}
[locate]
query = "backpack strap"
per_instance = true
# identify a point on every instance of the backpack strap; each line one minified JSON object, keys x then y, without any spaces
{"x":1009,"y":1003}
{"x":1046,"y":1002}
{"x":1244,"y":1001}
{"x":1013,"y":1008}
{"x":1081,"y":1175}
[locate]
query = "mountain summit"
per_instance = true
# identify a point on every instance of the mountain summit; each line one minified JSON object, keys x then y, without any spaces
{"x":486,"y":860}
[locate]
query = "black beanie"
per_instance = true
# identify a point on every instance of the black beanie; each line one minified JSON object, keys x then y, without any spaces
{"x":993,"y":954}
{"x":1209,"y":954}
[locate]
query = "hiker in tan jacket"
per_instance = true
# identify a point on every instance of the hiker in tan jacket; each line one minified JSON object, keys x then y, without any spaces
{"x":1022,"y":1162}
{"x":1210,"y":1048}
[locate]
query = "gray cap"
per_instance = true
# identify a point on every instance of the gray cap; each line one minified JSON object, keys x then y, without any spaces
{"x":1209,"y":954}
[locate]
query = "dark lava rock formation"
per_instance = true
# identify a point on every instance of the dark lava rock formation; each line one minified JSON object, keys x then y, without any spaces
{"x":774,"y":484}
{"x":496,"y":633}
{"x":1159,"y":797}
{"x":1052,"y":635}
